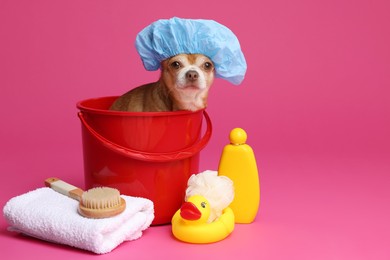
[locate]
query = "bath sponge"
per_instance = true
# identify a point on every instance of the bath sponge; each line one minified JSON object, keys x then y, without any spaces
{"x":218,"y":190}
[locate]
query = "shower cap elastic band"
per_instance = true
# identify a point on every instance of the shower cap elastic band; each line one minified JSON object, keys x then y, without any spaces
{"x":166,"y":38}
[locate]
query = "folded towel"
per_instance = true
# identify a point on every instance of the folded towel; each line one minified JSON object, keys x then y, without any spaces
{"x":51,"y":216}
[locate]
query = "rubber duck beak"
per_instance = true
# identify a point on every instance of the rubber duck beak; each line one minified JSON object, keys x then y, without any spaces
{"x":189,"y":211}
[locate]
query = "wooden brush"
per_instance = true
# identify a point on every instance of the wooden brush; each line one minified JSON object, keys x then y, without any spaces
{"x":101,"y":202}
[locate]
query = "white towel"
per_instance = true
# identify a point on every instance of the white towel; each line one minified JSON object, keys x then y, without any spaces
{"x":51,"y":216}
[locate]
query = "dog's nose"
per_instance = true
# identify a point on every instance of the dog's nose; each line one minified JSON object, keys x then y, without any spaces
{"x":192,"y":75}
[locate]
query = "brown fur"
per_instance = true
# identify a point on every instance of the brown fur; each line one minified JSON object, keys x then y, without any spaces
{"x":183,"y":85}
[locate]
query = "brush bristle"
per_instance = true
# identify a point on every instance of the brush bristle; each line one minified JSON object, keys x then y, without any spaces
{"x":101,"y":198}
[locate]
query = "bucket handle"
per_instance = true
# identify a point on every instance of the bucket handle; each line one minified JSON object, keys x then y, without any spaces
{"x":155,"y":157}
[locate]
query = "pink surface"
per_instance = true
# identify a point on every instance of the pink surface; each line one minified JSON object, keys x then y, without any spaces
{"x":315,"y":104}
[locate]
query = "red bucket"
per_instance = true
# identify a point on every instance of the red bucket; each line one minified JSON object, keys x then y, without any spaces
{"x":142,"y":154}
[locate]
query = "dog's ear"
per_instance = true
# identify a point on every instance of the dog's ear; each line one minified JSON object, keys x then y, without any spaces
{"x":163,"y":64}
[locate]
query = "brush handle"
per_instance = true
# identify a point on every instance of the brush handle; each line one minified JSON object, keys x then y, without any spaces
{"x":64,"y":188}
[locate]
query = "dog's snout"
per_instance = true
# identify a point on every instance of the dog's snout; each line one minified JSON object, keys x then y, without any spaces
{"x":192,"y":75}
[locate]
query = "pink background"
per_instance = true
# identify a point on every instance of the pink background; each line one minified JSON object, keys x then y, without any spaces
{"x":315,"y":104}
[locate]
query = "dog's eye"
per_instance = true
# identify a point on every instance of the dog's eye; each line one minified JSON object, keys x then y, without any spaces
{"x":175,"y":65}
{"x":207,"y":66}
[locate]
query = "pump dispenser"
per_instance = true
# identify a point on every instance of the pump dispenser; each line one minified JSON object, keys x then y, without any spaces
{"x":239,"y":164}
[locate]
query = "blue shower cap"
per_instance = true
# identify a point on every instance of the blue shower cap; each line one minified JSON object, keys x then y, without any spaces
{"x":166,"y":38}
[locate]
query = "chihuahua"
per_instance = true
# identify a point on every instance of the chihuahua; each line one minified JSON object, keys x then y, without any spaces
{"x":183,"y":85}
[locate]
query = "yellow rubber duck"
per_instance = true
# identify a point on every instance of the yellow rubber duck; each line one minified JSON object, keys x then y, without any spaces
{"x":189,"y":224}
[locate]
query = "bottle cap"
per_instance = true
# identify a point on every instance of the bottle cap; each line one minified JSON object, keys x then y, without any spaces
{"x":238,"y":136}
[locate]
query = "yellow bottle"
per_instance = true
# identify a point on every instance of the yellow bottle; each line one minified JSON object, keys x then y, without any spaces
{"x":239,"y":164}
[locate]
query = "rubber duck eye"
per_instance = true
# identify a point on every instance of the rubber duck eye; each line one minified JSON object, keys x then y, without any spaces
{"x":203,"y":204}
{"x":176,"y":65}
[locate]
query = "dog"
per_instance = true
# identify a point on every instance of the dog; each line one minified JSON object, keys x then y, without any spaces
{"x":184,"y":84}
